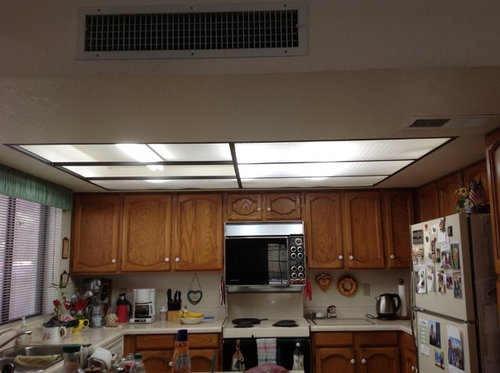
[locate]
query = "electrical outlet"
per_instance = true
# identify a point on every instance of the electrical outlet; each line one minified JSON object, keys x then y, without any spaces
{"x":365,"y":288}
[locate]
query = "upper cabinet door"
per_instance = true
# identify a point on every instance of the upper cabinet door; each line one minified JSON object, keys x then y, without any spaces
{"x":241,"y":207}
{"x":323,"y":222}
{"x":270,"y":206}
{"x":427,"y":202}
{"x":95,"y":233}
{"x":398,"y":216}
{"x":447,"y":191}
{"x":363,"y":230}
{"x":198,"y":232}
{"x":493,"y":167}
{"x":283,"y":206}
{"x":146,"y":234}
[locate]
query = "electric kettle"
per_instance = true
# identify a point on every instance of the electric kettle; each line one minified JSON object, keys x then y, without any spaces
{"x":388,"y":305}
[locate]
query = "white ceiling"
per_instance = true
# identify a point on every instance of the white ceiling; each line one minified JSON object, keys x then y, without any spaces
{"x":370,"y":67}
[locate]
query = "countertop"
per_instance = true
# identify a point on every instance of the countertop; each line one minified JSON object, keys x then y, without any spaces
{"x":104,"y":336}
{"x":376,"y":325}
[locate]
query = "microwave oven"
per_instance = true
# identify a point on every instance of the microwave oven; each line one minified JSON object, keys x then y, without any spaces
{"x":264,"y":256}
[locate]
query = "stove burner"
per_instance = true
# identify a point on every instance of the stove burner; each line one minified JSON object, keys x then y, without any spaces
{"x":286,"y":323}
{"x":247,"y":320}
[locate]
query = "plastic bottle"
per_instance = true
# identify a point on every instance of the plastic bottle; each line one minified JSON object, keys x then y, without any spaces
{"x":181,"y":362}
{"x":163,"y":313}
{"x":138,"y":366}
{"x":23,"y":339}
{"x":71,"y":357}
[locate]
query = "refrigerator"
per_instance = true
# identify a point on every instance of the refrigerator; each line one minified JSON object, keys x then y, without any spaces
{"x":453,"y":297}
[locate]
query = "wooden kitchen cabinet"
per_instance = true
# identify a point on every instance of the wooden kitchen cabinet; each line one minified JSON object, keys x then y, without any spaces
{"x":398,"y":215}
{"x":323,"y":225}
{"x":362,"y":225}
{"x":198,"y":232}
{"x":427,"y":202}
{"x":447,"y":192}
{"x":492,"y":140}
{"x":357,"y":352}
{"x":158,"y":349}
{"x":95,"y":239}
{"x":263,"y":206}
{"x":408,"y":353}
{"x":146,"y":236}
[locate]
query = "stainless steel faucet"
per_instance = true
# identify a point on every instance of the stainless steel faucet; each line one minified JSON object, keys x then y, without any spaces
{"x":27,"y":332}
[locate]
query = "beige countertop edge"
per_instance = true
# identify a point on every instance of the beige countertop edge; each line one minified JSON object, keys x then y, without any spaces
{"x":389,"y":325}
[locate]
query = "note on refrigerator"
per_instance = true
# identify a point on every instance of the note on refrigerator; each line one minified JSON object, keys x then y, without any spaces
{"x":423,"y":337}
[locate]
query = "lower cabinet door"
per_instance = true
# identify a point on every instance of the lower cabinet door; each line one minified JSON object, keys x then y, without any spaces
{"x":157,"y":360}
{"x":328,"y":360}
{"x":201,"y":360}
{"x":378,"y":359}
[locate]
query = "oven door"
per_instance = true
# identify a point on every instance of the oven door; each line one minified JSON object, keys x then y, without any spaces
{"x":241,"y":354}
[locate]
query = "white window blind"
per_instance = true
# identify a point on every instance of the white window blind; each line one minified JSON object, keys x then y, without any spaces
{"x":29,"y":240}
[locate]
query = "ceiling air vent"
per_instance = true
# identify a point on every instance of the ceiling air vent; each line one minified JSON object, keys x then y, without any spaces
{"x":192,"y":31}
{"x":429,"y":123}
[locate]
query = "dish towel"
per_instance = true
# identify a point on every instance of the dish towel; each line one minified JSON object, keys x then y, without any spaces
{"x":266,"y":350}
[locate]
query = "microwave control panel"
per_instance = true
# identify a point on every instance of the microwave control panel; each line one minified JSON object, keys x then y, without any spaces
{"x":297,"y":260}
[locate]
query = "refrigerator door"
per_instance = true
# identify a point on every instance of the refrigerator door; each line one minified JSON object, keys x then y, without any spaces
{"x":445,"y":345}
{"x":441,"y":267}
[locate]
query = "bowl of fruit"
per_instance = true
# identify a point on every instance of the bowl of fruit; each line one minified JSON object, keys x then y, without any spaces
{"x":191,"y":318}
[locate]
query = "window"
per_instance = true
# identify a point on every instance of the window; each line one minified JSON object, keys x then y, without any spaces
{"x":29,"y":240}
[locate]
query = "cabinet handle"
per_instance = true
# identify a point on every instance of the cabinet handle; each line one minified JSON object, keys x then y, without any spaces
{"x":170,"y":363}
{"x":351,"y":257}
{"x":393,"y":256}
{"x":341,"y":257}
{"x":113,"y":260}
{"x":167,"y":260}
{"x":413,"y":368}
{"x":259,"y":209}
{"x":353,"y":361}
{"x":177,"y":260}
{"x":268,"y":209}
{"x":363,"y":361}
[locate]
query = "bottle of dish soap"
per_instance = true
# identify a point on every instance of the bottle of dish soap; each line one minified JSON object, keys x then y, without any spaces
{"x":23,"y":339}
{"x":181,"y":362}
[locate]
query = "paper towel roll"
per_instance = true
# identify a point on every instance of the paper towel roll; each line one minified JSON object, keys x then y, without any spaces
{"x":403,"y":311}
{"x":102,"y":356}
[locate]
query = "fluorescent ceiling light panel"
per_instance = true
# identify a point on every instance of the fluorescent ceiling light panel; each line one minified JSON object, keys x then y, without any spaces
{"x":169,"y":184}
{"x":146,"y":172}
{"x":335,"y":151}
{"x":193,"y":152}
{"x":329,"y":182}
{"x":301,"y":164}
{"x":386,"y":168}
{"x":60,"y":153}
{"x":139,"y":152}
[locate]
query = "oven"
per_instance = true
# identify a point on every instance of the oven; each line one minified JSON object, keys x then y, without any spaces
{"x":248,"y":342}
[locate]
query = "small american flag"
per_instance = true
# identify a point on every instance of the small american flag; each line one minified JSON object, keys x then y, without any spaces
{"x":477,"y":195}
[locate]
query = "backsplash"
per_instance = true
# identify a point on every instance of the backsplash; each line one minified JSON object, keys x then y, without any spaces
{"x":370,"y":282}
{"x":375,"y":282}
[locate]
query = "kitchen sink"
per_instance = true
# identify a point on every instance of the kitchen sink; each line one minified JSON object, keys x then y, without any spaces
{"x":326,"y":322}
{"x":7,"y":357}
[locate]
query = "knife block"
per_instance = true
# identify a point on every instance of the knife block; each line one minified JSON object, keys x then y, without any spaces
{"x":173,"y":316}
